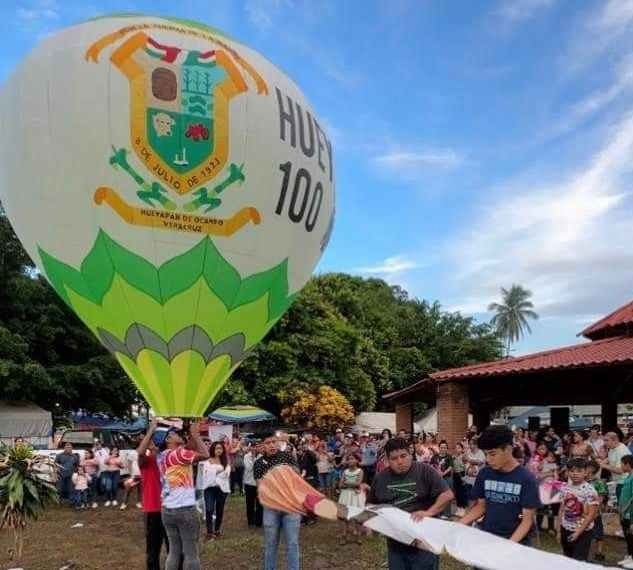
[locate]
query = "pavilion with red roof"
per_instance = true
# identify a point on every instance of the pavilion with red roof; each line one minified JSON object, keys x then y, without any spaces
{"x":596,"y":372}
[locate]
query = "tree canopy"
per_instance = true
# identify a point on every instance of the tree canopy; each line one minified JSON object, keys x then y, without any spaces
{"x":323,"y":409}
{"x":360,"y":336}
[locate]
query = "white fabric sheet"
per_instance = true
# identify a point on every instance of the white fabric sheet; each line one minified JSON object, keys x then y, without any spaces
{"x":466,"y":544}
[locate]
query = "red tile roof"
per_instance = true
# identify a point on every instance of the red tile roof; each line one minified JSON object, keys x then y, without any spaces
{"x":616,"y":323}
{"x":609,"y":351}
{"x":415,"y":387}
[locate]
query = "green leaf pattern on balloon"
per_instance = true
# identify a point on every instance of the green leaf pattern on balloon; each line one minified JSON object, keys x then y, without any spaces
{"x":180,"y":329}
{"x":200,"y":274}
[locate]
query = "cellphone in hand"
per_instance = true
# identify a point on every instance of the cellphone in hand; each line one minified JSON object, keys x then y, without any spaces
{"x":160,"y":435}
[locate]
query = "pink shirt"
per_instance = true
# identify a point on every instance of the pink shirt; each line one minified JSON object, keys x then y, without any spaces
{"x":80,"y":481}
{"x":90,"y":466}
{"x":113,"y":463}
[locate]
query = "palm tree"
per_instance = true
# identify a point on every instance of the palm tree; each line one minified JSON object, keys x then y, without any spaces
{"x":512,"y":314}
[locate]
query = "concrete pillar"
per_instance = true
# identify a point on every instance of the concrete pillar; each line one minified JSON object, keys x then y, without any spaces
{"x":452,"y":411}
{"x":609,"y":416}
{"x":404,"y":418}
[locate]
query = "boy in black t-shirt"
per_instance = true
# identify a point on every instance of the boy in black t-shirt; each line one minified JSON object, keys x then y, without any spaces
{"x":506,"y":493}
{"x":413,"y":487}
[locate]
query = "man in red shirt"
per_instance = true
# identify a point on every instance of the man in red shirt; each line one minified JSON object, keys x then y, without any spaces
{"x":155,"y":534}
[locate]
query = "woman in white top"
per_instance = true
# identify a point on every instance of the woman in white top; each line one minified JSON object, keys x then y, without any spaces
{"x":474,"y":460}
{"x":132,"y":484}
{"x":214,"y":476}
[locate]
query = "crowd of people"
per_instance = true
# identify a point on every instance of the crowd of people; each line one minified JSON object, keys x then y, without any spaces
{"x":509,"y":483}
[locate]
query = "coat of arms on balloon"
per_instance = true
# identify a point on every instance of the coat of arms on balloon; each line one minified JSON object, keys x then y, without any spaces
{"x":179,"y":127}
{"x":186,"y":194}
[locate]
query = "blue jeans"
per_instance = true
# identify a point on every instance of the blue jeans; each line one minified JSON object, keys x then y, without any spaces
{"x":325,"y":480}
{"x":274,"y":522}
{"x":65,"y":488}
{"x":405,"y":557}
{"x":111,"y":483}
{"x":93,"y":489}
{"x":80,"y":498}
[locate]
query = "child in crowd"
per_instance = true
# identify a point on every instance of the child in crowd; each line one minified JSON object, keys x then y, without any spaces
{"x":535,"y":463}
{"x":443,"y":463}
{"x":548,"y":471}
{"x":578,"y":510}
{"x":593,"y":470}
{"x":324,"y":468}
{"x":80,"y":481}
{"x":91,"y":468}
{"x":625,"y":506}
{"x":351,"y":492}
{"x":459,"y":470}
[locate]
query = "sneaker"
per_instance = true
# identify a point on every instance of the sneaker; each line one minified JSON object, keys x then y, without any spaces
{"x":123,"y":506}
{"x":628,"y":565}
{"x":106,"y":504}
{"x":139,"y":506}
{"x":625,"y":560}
{"x":114,"y":503}
{"x":94,"y":505}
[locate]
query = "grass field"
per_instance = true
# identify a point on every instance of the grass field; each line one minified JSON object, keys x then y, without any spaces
{"x":111,"y":539}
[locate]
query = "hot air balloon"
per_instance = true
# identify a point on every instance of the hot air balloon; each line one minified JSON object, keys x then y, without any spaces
{"x":175,"y":188}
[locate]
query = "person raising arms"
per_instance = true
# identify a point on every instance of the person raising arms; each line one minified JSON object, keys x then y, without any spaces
{"x":179,"y":513}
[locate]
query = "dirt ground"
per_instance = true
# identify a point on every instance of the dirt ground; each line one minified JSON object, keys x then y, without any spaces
{"x":112,"y":539}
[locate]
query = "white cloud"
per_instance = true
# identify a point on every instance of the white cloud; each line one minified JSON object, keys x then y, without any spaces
{"x":37,"y":11}
{"x":603,"y":30}
{"x":432,"y":158}
{"x":390,"y":267}
{"x":513,"y":12}
{"x":262,"y":13}
{"x":616,"y":16}
{"x":566,"y":240}
{"x":597,"y":100}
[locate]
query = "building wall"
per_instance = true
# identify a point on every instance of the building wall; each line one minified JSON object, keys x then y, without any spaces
{"x":452,"y":411}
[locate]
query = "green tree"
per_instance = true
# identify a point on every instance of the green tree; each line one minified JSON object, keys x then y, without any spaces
{"x":46,"y":354}
{"x":512,"y":314}
{"x":362,"y":337}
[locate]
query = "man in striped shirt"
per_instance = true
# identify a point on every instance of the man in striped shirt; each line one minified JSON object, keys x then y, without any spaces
{"x":179,"y":496}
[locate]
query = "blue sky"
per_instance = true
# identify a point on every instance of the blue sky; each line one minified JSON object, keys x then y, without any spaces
{"x":477,"y":144}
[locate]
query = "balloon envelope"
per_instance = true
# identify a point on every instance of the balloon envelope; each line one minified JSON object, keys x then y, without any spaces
{"x":175,"y":188}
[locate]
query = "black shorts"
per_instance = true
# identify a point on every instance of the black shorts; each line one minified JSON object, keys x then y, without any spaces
{"x":598,"y":528}
{"x":579,"y":549}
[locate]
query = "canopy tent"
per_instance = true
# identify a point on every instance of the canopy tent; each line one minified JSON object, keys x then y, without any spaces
{"x":102,"y":421}
{"x":375,"y":422}
{"x":26,"y":420}
{"x":241,"y":415}
{"x":544,"y":414}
